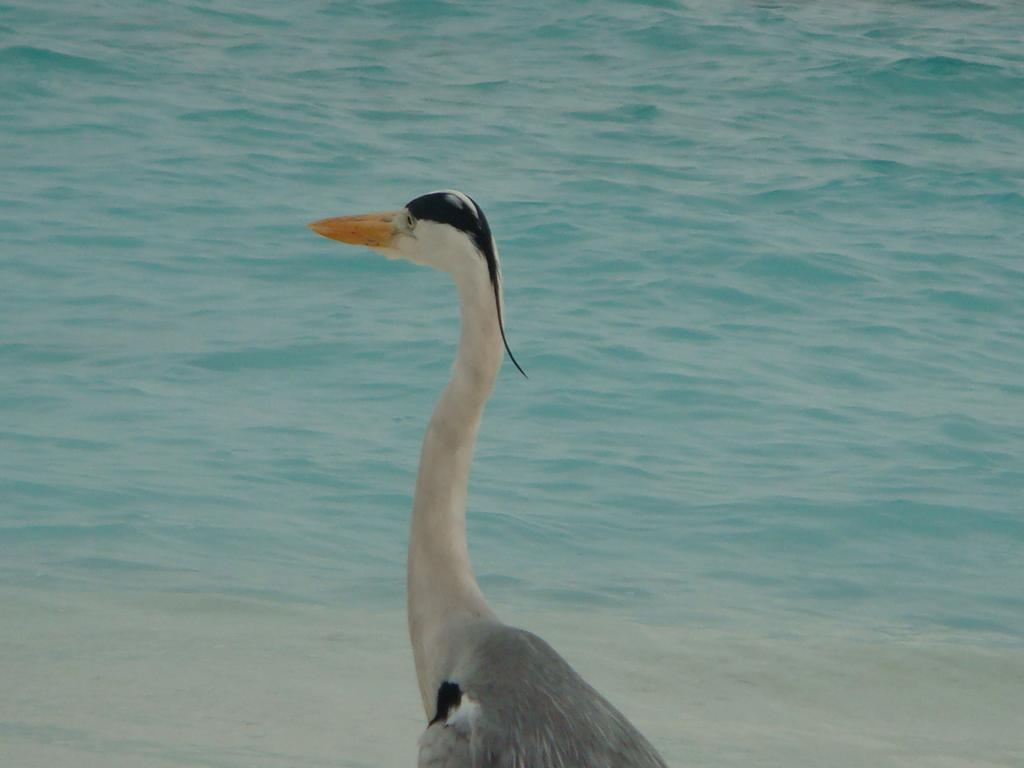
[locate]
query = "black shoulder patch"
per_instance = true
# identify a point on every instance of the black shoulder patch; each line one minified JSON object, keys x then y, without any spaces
{"x":448,"y":697}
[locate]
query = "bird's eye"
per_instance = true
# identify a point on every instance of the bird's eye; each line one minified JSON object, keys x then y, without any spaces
{"x":409,"y":221}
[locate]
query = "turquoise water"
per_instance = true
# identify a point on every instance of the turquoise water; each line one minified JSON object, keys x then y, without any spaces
{"x":763,"y":268}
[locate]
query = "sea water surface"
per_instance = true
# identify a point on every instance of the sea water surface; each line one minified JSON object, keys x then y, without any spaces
{"x":763,"y":265}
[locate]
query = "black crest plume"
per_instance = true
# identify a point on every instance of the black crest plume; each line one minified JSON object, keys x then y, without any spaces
{"x":449,"y":208}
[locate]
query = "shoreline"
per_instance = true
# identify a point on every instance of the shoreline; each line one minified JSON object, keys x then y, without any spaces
{"x":204,"y":680}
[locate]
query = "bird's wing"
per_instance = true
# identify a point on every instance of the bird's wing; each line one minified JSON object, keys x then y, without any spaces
{"x":515,"y":703}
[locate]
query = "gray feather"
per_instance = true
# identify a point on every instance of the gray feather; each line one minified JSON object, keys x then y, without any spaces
{"x":444,"y":747}
{"x":535,"y":711}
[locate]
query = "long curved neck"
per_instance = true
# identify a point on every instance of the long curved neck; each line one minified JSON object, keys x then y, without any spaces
{"x":442,"y":590}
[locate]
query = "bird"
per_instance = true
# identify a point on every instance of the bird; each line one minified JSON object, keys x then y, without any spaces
{"x":494,"y":696}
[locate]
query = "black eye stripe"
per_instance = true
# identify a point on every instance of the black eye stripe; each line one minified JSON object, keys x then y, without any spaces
{"x":443,"y":208}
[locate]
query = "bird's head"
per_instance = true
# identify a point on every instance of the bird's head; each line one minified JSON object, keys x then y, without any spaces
{"x":446,"y":230}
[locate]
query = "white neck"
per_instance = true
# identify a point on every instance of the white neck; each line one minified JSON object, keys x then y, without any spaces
{"x":442,"y":591}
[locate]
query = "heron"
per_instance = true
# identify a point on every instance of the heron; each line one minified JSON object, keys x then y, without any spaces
{"x":494,"y":696}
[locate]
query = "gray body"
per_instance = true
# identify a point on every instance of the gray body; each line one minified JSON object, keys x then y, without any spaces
{"x":524,"y":707}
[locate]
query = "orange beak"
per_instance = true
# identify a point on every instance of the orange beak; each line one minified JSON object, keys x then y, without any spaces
{"x":375,"y":230}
